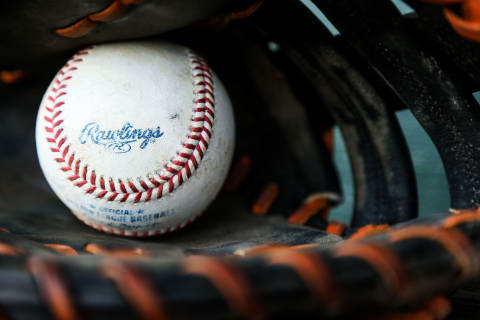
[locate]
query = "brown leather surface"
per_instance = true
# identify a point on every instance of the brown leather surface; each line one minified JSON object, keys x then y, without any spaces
{"x":29,"y":35}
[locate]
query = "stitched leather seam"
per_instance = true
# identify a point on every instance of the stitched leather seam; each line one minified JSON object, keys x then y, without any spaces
{"x":116,"y":10}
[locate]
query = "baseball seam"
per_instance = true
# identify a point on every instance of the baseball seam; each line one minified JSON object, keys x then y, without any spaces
{"x":142,"y":189}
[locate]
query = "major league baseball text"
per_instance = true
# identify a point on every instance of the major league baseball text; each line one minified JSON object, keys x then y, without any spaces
{"x":147,"y":149}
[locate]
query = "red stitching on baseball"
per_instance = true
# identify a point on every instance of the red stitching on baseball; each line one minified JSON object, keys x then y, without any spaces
{"x":142,"y":188}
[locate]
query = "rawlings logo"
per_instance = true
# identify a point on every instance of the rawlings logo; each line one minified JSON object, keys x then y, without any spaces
{"x":121,"y":140}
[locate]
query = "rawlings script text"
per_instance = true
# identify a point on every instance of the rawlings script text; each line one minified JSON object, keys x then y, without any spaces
{"x":120,"y":140}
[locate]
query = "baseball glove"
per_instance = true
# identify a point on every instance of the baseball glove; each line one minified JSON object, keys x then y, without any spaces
{"x":266,"y":247}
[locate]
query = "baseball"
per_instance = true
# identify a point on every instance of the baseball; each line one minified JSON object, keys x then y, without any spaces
{"x":135,"y":138}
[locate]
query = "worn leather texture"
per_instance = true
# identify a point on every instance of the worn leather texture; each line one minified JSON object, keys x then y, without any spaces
{"x":28,"y":27}
{"x":290,"y":81}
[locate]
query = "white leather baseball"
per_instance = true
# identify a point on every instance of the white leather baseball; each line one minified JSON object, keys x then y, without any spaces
{"x":135,"y":138}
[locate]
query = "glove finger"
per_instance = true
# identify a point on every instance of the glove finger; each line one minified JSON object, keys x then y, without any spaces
{"x":437,"y":94}
{"x":385,"y":189}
